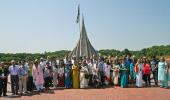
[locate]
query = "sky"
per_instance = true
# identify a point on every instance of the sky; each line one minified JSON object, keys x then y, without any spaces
{"x":36,"y":26}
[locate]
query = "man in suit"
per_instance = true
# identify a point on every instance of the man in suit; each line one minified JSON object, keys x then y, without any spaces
{"x":3,"y":79}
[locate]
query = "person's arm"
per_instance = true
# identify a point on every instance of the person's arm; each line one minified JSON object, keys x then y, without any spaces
{"x":9,"y":69}
{"x":33,"y":75}
{"x":0,"y":73}
{"x":166,"y":66}
{"x":112,"y":68}
{"x":19,"y":72}
{"x":7,"y":72}
{"x":156,"y":66}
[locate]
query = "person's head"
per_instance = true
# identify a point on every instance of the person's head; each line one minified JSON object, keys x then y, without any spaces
{"x":102,"y":59}
{"x":19,"y":63}
{"x":92,"y":57}
{"x":62,"y":63}
{"x":75,"y":62}
{"x":147,"y":61}
{"x":134,"y":59}
{"x":139,"y":61}
{"x":69,"y":62}
{"x":41,"y":59}
{"x":48,"y":58}
{"x":107,"y":61}
{"x":84,"y":63}
{"x":30,"y":64}
{"x":162,"y":59}
{"x":47,"y":63}
{"x":128,"y":56}
{"x":22,"y":62}
{"x":91,"y":60}
{"x":121,"y":60}
{"x":144,"y":59}
{"x":36,"y":62}
{"x":88,"y":60}
{"x":74,"y":57}
{"x":2,"y":64}
{"x":13,"y":62}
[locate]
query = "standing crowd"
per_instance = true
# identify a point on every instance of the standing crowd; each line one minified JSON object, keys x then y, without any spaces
{"x":41,"y":75}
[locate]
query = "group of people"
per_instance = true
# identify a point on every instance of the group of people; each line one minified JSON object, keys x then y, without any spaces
{"x":82,"y":72}
{"x":135,"y":71}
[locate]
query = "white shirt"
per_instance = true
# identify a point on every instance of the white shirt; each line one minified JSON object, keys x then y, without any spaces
{"x":14,"y":70}
{"x":42,"y":65}
{"x":72,"y":61}
{"x":94,"y":69}
{"x":90,"y":67}
{"x":57,"y":62}
{"x":107,"y":69}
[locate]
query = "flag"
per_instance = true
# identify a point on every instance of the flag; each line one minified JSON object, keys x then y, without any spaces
{"x":78,"y":14}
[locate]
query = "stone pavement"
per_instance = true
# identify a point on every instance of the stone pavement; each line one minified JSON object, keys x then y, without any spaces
{"x":110,"y":93}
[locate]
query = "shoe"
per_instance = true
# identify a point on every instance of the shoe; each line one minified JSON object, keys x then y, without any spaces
{"x":25,"y":92}
{"x":38,"y":91}
{"x":28,"y":92}
{"x":5,"y":95}
{"x":41,"y":90}
{"x":21,"y":94}
{"x":161,"y":86}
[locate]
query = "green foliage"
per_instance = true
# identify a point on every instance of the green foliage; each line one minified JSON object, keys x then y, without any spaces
{"x":30,"y":57}
{"x":149,"y":52}
{"x":57,"y":54}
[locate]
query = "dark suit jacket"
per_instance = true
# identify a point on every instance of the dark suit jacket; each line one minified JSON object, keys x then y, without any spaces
{"x":6,"y":72}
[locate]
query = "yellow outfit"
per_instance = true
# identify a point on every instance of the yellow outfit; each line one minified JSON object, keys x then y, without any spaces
{"x":75,"y":75}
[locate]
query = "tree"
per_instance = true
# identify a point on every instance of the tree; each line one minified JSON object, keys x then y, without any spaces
{"x":126,"y":52}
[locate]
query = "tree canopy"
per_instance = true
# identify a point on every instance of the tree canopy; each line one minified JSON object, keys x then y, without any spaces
{"x":163,"y":50}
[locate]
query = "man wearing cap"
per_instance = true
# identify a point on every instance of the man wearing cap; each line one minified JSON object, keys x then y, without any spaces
{"x":13,"y":70}
{"x":3,"y":79}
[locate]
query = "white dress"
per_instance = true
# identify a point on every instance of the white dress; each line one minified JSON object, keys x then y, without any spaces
{"x":115,"y":75}
{"x":83,"y":80}
{"x":139,"y":75}
{"x":55,"y":75}
{"x":107,"y":69}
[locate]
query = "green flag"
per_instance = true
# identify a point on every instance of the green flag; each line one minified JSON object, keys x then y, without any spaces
{"x":78,"y":14}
